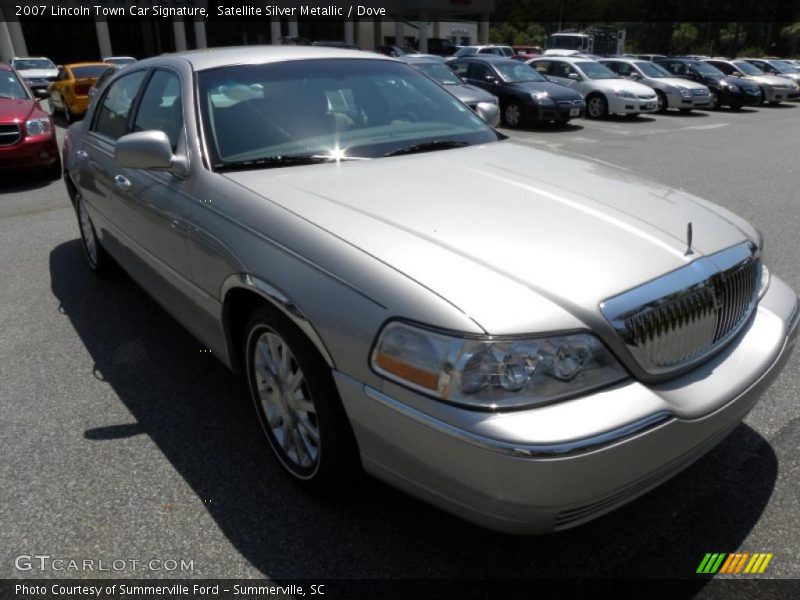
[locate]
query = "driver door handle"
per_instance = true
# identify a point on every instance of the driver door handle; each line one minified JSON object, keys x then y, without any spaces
{"x":123,"y":183}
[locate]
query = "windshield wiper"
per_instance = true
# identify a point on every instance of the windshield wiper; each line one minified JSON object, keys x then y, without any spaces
{"x":428,"y":147}
{"x":291,"y":160}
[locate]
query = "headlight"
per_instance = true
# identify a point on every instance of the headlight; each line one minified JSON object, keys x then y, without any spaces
{"x":734,"y":88}
{"x":763,"y":285}
{"x":540,"y":96}
{"x":624,"y":94}
{"x":493,"y":373}
{"x":39,"y":126}
{"x":684,"y":92}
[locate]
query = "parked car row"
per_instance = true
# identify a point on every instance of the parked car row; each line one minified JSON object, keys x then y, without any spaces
{"x":522,"y":338}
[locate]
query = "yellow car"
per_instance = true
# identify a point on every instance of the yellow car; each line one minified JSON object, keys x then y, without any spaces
{"x":69,"y":93}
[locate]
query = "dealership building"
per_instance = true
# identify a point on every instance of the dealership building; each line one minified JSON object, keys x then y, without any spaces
{"x":71,"y":39}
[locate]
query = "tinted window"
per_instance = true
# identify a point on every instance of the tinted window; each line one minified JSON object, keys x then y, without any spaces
{"x":112,"y":117}
{"x":518,"y":72}
{"x":32,"y":63}
{"x":91,"y":71}
{"x":724,"y":67}
{"x":479,"y":71}
{"x":10,"y":87}
{"x":541,"y":66}
{"x":594,"y":70}
{"x":460,"y":67}
{"x":160,"y":108}
{"x":561,"y":69}
{"x":439,"y":72}
{"x":359,"y":108}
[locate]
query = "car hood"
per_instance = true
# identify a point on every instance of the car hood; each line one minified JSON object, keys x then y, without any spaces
{"x":470,"y":94}
{"x":38,"y":73}
{"x":621,"y":85}
{"x":15,"y":110}
{"x":457,"y":221}
{"x":677,"y":81}
{"x":767,"y":80}
{"x":554,"y":90}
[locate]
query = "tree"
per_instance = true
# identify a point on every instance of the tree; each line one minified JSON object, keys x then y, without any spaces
{"x":791,"y":33}
{"x":683,"y":36}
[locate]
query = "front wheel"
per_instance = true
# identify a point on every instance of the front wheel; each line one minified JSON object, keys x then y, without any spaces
{"x":663,"y":104}
{"x":713,"y":100}
{"x":297,"y":404}
{"x":596,"y":107}
{"x":512,"y":114}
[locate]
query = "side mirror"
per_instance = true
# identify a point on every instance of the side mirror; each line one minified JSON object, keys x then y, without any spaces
{"x":635,"y":76}
{"x":490,"y":113}
{"x":574,"y":76}
{"x":490,"y":79}
{"x":149,"y":150}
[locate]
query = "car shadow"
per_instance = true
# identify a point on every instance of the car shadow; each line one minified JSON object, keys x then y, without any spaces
{"x":550,"y":127}
{"x":641,"y":118}
{"x":197,"y":414}
{"x":783,"y":105}
{"x":692,"y":114}
{"x":23,"y":181}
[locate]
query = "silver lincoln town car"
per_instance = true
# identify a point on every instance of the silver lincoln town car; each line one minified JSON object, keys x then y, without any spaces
{"x":521,"y":338}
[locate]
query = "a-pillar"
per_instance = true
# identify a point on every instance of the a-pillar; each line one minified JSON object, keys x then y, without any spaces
{"x":180,"y":34}
{"x":275,"y":33}
{"x":483,"y":29}
{"x":103,"y":38}
{"x":200,"y":37}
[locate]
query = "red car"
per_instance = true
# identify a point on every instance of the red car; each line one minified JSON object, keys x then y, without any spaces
{"x":27,"y":134}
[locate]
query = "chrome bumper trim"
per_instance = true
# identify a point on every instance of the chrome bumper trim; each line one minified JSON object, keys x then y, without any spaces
{"x":557,"y":450}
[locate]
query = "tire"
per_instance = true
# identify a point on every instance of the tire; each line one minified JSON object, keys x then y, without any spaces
{"x":736,"y":107}
{"x":513,"y":114}
{"x":298,"y":406}
{"x":663,"y":104}
{"x":54,"y":172}
{"x":685,"y":110}
{"x":99,"y":261}
{"x":713,"y":102}
{"x":53,"y":111}
{"x":68,"y":116}
{"x":774,"y":103}
{"x":596,"y":106}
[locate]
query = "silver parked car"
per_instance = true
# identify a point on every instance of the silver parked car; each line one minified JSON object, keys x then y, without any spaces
{"x":471,"y":95}
{"x":407,"y":291}
{"x":774,"y":89}
{"x":672,"y":92}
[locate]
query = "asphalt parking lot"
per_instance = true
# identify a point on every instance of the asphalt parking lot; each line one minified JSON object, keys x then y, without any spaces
{"x":122,"y":440}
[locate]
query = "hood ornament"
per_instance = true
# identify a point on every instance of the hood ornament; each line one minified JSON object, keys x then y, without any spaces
{"x":688,"y":239}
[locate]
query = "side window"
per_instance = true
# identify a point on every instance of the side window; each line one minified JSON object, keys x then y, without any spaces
{"x":614,"y":66}
{"x":724,"y":67}
{"x":112,"y":116}
{"x":161,"y":107}
{"x":478,"y":71}
{"x":561,"y":69}
{"x":623,"y":69}
{"x":460,"y":67}
{"x":541,"y":66}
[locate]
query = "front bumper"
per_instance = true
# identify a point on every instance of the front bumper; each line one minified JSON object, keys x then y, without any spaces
{"x":773,"y":94}
{"x":630,"y":106}
{"x":677,"y":101}
{"x":744,"y":97}
{"x":29,"y":153}
{"x":557,"y":466}
{"x":555,"y":111}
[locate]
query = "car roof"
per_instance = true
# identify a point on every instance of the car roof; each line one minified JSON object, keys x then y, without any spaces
{"x":569,"y":59}
{"x":212,"y":58}
{"x":489,"y":58}
{"x":86,"y":64}
{"x":31,"y":58}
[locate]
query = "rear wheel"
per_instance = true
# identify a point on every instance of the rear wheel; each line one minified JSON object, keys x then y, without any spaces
{"x":596,"y":106}
{"x":713,"y":100}
{"x":297,"y":405}
{"x":54,"y":171}
{"x":99,"y":262}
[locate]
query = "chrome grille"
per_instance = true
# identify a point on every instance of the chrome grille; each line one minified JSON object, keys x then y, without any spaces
{"x":9,"y":134}
{"x":681,"y":318}
{"x":699,"y":92}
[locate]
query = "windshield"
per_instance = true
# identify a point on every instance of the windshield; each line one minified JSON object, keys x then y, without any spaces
{"x":746,"y":68}
{"x":594,"y":70}
{"x":335,"y":108}
{"x":517,"y":72}
{"x":32,"y":63}
{"x":11,"y":88}
{"x":706,"y":69}
{"x":89,"y":71}
{"x":653,"y":70}
{"x":438,"y":72}
{"x":782,"y":68}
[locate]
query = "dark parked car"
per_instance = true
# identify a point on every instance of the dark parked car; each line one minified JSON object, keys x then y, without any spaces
{"x":725,"y":91}
{"x":27,"y":135}
{"x":470,"y":95}
{"x":524,"y":94}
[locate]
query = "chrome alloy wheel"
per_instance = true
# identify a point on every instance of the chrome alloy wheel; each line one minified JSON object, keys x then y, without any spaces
{"x":87,"y":232}
{"x":596,"y":107}
{"x":288,"y":409}
{"x":513,"y":114}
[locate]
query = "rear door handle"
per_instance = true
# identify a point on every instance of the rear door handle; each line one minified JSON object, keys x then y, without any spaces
{"x":123,"y":183}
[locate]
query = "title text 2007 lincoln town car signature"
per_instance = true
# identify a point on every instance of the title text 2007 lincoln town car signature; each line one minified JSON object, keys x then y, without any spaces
{"x":521,"y":338}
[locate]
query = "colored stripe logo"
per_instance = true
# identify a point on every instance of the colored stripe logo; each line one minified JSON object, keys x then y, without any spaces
{"x":735,"y":563}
